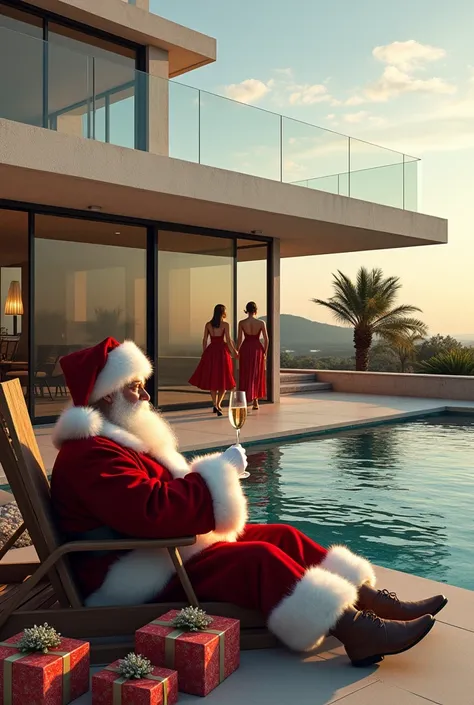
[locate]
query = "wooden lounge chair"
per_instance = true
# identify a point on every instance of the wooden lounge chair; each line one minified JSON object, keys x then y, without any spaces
{"x":46,"y":591}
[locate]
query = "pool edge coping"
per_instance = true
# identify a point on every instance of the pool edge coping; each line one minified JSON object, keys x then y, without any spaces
{"x":298,"y":434}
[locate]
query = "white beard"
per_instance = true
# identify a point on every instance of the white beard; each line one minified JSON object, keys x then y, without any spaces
{"x":143,"y":421}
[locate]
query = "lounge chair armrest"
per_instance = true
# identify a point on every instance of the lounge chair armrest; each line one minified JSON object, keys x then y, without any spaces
{"x":123,"y":544}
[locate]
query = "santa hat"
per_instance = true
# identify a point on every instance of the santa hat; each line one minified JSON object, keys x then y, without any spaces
{"x":93,"y":373}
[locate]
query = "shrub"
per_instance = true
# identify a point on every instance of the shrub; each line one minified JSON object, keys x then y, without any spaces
{"x":453,"y":362}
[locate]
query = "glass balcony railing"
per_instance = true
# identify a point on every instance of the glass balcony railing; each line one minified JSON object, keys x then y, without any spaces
{"x":92,"y":96}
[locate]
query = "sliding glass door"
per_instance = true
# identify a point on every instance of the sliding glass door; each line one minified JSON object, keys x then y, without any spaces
{"x":195,"y":272}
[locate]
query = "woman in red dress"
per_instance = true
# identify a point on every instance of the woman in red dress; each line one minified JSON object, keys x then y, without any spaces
{"x":252,"y":356}
{"x":214,"y":372}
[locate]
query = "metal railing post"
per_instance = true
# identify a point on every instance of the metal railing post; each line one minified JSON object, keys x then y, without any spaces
{"x":349,"y":166}
{"x":281,"y":148}
{"x":199,"y":126}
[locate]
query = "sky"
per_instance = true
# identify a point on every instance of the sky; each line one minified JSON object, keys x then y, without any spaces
{"x":400,"y":75}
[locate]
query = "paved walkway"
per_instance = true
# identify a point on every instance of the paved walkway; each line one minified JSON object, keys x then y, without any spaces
{"x":439,"y":670}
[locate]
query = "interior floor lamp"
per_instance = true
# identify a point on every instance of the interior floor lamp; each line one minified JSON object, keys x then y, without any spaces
{"x":14,"y":304}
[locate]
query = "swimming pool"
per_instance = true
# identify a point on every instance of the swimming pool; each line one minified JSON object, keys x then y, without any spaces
{"x":401,"y":495}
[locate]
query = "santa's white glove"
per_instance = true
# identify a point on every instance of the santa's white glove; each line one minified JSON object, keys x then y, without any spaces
{"x":236,"y":456}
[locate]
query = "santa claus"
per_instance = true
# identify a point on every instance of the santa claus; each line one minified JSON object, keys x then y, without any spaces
{"x":119,"y":474}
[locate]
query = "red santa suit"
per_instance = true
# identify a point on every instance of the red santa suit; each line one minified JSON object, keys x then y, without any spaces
{"x":107,"y":481}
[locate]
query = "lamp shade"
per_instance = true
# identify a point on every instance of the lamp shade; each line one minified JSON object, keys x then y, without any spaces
{"x":14,"y":303}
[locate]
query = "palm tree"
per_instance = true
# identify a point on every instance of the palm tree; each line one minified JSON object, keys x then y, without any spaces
{"x":405,"y":348}
{"x":368,"y":305}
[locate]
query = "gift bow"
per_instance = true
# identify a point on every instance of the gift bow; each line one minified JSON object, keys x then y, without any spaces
{"x":170,"y":641}
{"x":8,"y":671}
{"x":118,"y":683}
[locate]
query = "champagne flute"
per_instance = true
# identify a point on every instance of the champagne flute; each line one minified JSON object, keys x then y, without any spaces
{"x":238,"y":416}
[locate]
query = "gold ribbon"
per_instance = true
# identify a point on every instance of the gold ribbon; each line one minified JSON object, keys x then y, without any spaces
{"x":118,"y":683}
{"x":8,"y":671}
{"x":170,"y":642}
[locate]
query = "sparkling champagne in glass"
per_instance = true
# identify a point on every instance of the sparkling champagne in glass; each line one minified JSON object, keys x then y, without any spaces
{"x":238,"y":416}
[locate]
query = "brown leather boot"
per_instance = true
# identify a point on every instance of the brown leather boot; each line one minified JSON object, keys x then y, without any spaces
{"x":386,"y":604}
{"x":368,"y":638}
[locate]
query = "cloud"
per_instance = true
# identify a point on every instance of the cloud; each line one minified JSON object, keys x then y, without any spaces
{"x":249,"y":91}
{"x":355,"y":100}
{"x":409,"y":55}
{"x":308,"y":95}
{"x":445,"y":124}
{"x":394,"y":82}
{"x":364,"y":117}
{"x":284,"y":90}
{"x":356,"y":117}
{"x":403,"y":60}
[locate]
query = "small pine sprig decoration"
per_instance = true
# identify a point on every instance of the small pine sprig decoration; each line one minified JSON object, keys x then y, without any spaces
{"x":39,"y":639}
{"x":192,"y":619}
{"x":134,"y":666}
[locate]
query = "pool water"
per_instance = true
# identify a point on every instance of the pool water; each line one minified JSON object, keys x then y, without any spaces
{"x":401,"y":495}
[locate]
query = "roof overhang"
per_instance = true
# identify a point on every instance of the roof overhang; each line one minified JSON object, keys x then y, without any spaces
{"x":187,"y":49}
{"x":44,"y":167}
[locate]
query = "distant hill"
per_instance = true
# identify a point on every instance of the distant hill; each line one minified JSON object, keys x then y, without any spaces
{"x":302,"y":336}
{"x":465,"y":337}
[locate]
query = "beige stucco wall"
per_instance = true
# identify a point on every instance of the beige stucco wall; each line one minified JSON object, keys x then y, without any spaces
{"x":403,"y":385}
{"x":158,"y":100}
{"x":275,"y":304}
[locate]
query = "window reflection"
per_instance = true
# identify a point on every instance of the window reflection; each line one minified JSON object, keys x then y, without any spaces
{"x":14,"y":297}
{"x":252,"y":278}
{"x":89,"y":284}
{"x":195,"y":272}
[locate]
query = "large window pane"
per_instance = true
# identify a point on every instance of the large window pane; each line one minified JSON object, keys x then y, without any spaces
{"x":91,"y":87}
{"x":252,"y":260}
{"x":14,"y":297}
{"x":195,"y":272}
{"x":89,"y":284}
{"x":21,"y":81}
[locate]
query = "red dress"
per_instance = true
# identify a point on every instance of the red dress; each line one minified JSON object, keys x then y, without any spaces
{"x":252,"y":377}
{"x":214,"y":371}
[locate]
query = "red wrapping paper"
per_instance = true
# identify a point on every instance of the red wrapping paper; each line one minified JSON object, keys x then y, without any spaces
{"x":202,"y":659}
{"x":44,"y":679}
{"x":108,"y":688}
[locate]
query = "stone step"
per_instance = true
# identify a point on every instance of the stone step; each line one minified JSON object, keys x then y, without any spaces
{"x":302,"y":378}
{"x":306,"y":388}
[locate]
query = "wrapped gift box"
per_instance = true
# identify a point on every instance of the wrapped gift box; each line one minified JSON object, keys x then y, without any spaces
{"x":110,"y":688}
{"x":55,"y":678}
{"x":203,"y":659}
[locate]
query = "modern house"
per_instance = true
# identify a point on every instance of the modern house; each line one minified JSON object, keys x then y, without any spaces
{"x":130,"y":203}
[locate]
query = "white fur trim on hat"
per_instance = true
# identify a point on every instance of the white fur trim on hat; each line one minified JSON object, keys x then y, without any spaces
{"x":302,"y":620}
{"x":357,"y":570}
{"x":124,"y":364}
{"x":228,"y":499}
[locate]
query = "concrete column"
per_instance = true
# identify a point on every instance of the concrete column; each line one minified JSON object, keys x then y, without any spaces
{"x":274,"y":306}
{"x":158,"y":100}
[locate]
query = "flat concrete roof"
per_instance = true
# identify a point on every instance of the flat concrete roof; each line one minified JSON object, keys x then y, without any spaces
{"x":51,"y":168}
{"x":187,"y":48}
